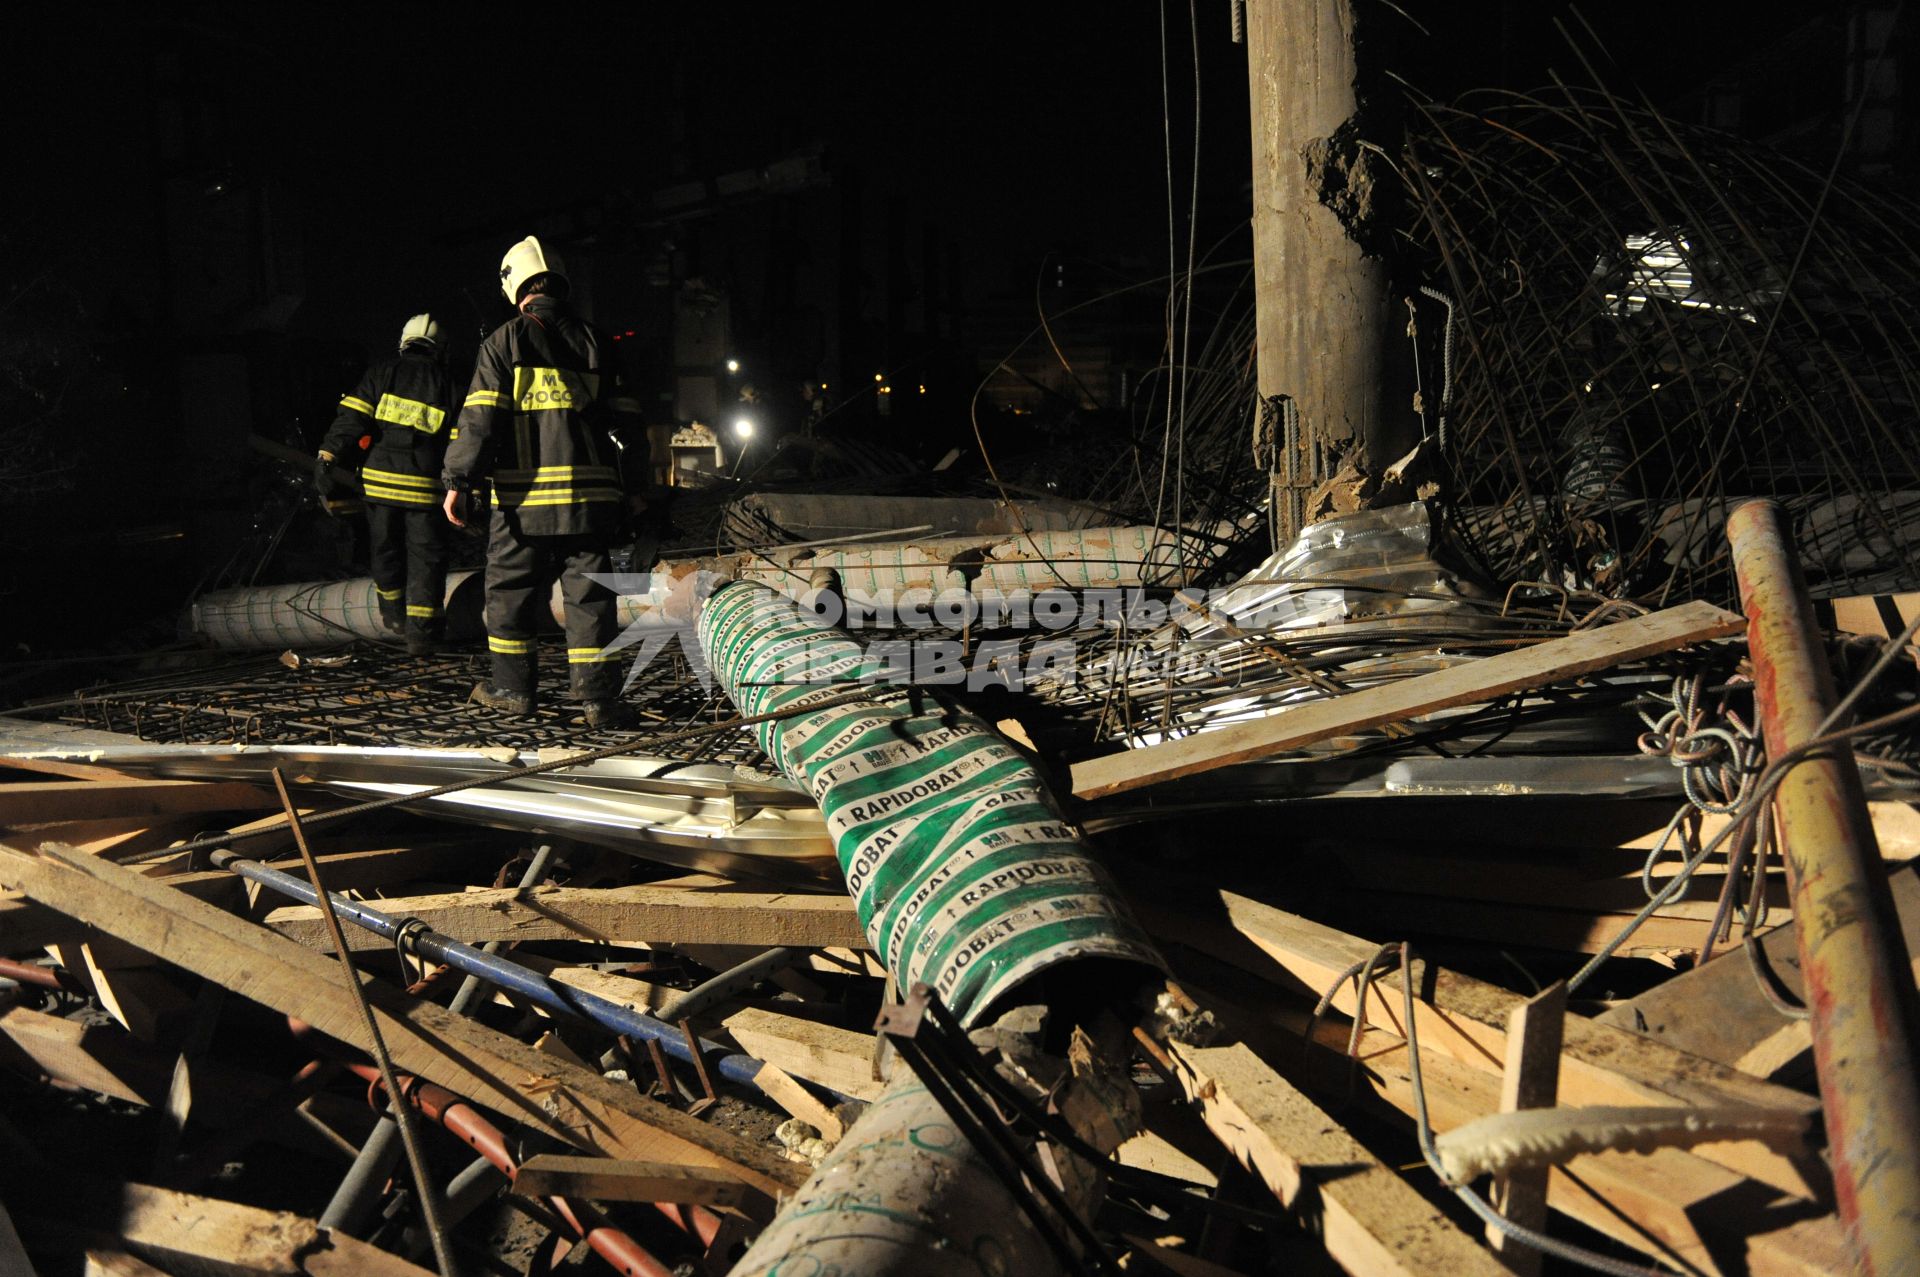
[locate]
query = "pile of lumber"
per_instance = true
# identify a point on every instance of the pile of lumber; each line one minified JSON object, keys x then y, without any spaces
{"x":172,"y":1032}
{"x":157,"y":945}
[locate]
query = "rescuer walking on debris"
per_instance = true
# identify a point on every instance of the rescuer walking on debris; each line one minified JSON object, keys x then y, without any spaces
{"x":404,"y":404}
{"x":548,"y":423}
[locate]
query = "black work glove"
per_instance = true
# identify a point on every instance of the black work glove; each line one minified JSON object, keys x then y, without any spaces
{"x":324,"y":480}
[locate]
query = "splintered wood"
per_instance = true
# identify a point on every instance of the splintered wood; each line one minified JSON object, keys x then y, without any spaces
{"x":720,"y":914}
{"x":1373,"y":1222}
{"x":570,"y":1103}
{"x":1246,"y":1104}
{"x":1472,"y":683}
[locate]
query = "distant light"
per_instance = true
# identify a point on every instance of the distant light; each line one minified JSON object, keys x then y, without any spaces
{"x":629,"y":332}
{"x":878,"y":377}
{"x":616,"y":336}
{"x":733,"y":365}
{"x":743,"y":427}
{"x":923,"y":390}
{"x":823,"y":385}
{"x":886,"y":390}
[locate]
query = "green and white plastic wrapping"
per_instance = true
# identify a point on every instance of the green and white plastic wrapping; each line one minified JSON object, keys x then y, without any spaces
{"x":965,"y":875}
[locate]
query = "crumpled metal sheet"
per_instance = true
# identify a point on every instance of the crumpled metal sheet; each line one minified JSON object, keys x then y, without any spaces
{"x":1374,"y":565}
{"x":699,"y":816}
{"x":1363,"y":575}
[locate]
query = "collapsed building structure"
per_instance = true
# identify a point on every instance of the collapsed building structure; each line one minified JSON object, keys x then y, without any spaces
{"x":1566,"y":912}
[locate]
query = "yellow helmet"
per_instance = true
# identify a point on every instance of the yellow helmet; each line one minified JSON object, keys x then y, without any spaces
{"x":525,"y":260}
{"x":421,"y":328}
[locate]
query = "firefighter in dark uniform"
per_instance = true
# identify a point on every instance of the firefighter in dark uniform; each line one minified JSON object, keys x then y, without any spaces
{"x":548,"y":423}
{"x":406,"y":405}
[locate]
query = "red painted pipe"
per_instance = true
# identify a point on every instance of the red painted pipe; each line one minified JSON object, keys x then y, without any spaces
{"x":614,"y":1245}
{"x":45,"y":977}
{"x":1860,"y":993}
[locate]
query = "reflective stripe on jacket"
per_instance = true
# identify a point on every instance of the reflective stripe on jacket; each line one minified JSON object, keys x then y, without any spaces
{"x":549,"y":421}
{"x":404,"y":403}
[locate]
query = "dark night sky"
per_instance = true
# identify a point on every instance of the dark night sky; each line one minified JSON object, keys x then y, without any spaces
{"x":398,"y":148}
{"x":391,"y":128}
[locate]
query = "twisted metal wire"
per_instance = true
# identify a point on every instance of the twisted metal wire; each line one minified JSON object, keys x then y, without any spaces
{"x":1641,"y":342}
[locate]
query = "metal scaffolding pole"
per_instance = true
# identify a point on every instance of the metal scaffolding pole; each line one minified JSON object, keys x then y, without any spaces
{"x":1860,"y":990}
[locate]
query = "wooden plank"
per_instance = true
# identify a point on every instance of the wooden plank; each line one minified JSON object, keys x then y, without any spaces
{"x":105,"y":1261}
{"x":1152,"y":1151}
{"x":637,"y":995}
{"x":26,"y":925}
{"x":838,"y":1059}
{"x":141,"y":998}
{"x":611,"y":915}
{"x":90,"y":835}
{"x":1694,"y":1214}
{"x":487,"y":1067}
{"x":609,"y":1180}
{"x":1476,"y":682}
{"x":206,"y":1235}
{"x":780,"y":1087}
{"x":61,"y":767}
{"x":1372,"y":1222}
{"x":366,"y":869}
{"x":1681,"y":927}
{"x":1466,"y":1018}
{"x":94,"y":1058}
{"x":37,"y":802}
{"x":1878,"y":616}
{"x":1531,"y":1081}
{"x":1717,"y":1011}
{"x":262,"y":846}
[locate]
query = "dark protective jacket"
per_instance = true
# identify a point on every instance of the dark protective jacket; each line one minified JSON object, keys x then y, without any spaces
{"x":406,"y":405}
{"x":548,"y":421}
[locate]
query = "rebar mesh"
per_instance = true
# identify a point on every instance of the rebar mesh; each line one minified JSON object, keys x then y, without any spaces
{"x":371,"y":695}
{"x":1652,"y":321}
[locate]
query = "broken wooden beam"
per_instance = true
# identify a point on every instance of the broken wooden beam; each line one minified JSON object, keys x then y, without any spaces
{"x":1678,"y":1206}
{"x":97,"y":1058}
{"x":838,"y":1059}
{"x":1475,"y":682}
{"x":186,"y":1232}
{"x":1531,"y":1080}
{"x":1467,"y":1019}
{"x":609,"y":915}
{"x":1373,"y":1223}
{"x":38,"y":802}
{"x":1718,"y":1011}
{"x":485,"y":1066}
{"x":779,"y":1086}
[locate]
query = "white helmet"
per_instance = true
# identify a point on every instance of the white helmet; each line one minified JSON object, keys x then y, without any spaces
{"x":525,"y":260}
{"x":421,"y":328}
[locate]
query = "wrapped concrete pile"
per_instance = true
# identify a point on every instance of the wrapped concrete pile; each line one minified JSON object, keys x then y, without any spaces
{"x":966,"y":877}
{"x":965,"y":874}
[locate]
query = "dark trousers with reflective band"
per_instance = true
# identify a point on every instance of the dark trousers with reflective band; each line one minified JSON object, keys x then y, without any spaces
{"x":521,"y":571}
{"x":409,"y":549}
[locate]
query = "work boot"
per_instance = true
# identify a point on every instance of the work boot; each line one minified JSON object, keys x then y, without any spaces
{"x":609,"y":715}
{"x":422,"y":644}
{"x":514,"y":704}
